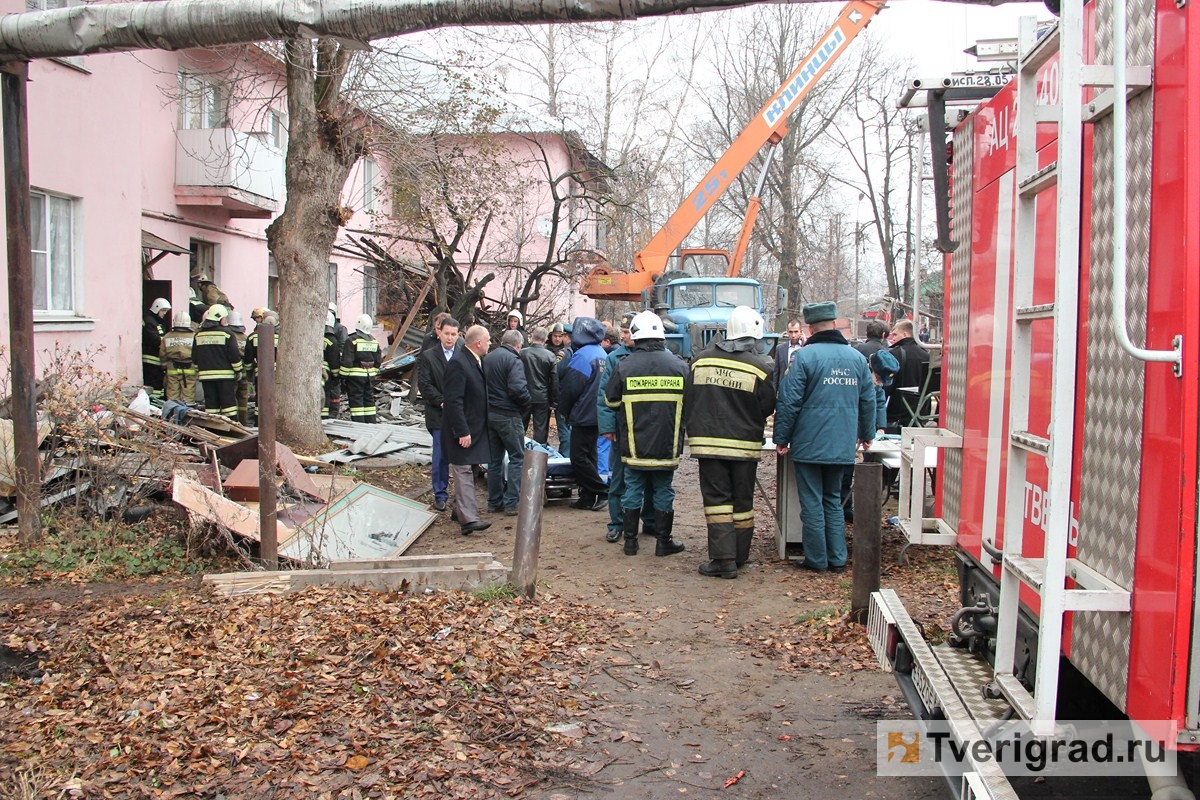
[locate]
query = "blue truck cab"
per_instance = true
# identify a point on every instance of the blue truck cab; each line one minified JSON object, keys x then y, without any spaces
{"x":699,"y":310}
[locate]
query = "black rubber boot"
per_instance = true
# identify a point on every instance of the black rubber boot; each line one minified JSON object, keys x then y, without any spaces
{"x":745,"y":536}
{"x":664,"y":545}
{"x":719,"y":569}
{"x":629,"y":518}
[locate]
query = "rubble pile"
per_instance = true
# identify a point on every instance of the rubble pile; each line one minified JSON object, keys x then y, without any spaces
{"x":106,"y":454}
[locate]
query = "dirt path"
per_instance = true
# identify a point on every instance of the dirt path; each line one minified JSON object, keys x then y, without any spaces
{"x":695,"y":690}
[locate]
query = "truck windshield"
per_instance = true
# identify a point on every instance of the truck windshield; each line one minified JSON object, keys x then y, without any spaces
{"x":737,"y":294}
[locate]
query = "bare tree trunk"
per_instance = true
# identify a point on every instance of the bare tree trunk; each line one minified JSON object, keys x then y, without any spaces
{"x":319,"y":156}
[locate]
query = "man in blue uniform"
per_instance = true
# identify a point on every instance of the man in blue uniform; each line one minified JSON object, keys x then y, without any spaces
{"x":826,"y":403}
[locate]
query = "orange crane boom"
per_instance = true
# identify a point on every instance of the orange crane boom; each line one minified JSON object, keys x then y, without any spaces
{"x":603,"y":282}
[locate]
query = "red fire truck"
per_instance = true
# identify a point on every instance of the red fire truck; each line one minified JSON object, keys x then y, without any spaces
{"x":1066,"y":452}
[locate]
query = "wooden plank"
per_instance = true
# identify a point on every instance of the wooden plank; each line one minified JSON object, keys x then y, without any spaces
{"x":189,"y":493}
{"x":463,"y":579}
{"x":294,"y":474}
{"x":404,"y":562}
{"x":412,"y":315}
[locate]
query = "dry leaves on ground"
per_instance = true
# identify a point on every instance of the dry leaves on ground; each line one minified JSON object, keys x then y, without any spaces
{"x":328,"y":692}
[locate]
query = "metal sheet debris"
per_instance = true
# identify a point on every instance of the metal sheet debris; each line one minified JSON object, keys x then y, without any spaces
{"x":366,"y":522}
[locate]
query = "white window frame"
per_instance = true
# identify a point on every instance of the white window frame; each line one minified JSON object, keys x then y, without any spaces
{"x":331,"y":283}
{"x":211,"y":94}
{"x":277,"y":129}
{"x":370,"y":289}
{"x":43,"y":198}
{"x":370,"y":173}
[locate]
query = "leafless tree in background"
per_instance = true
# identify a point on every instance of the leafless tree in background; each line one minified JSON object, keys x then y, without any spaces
{"x":792,"y":243}
{"x":878,"y":142}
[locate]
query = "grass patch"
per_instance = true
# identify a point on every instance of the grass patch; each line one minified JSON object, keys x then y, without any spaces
{"x":493,"y":593}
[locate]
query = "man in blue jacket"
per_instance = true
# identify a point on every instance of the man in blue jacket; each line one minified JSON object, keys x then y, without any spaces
{"x":577,"y":386}
{"x":826,"y":404}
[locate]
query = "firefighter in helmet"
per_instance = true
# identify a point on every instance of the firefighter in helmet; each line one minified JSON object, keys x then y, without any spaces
{"x":516,"y":322}
{"x":218,"y":362}
{"x":154,"y":325}
{"x":331,"y":369}
{"x":242,"y":390}
{"x":176,"y":354}
{"x":647,"y":389}
{"x":728,"y":396}
{"x":361,"y":360}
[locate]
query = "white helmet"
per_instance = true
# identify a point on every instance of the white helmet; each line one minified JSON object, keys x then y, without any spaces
{"x":520,"y":317}
{"x":216,"y":312}
{"x":364,"y":323}
{"x":182,"y":319}
{"x":330,"y":320}
{"x":646,"y":325}
{"x":235,"y":319}
{"x":159,"y":305}
{"x":333,"y":309}
{"x":745,"y":321}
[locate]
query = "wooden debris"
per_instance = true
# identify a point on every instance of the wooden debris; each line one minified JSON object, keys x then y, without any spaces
{"x":466,"y":572}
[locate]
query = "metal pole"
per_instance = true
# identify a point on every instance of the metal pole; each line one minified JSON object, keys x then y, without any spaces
{"x":919,"y":195}
{"x":267,"y":532}
{"x":868,"y":531}
{"x":529,"y":523}
{"x":27,"y":477}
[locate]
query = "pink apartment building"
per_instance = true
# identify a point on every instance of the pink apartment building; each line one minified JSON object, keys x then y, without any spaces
{"x":146,"y":171}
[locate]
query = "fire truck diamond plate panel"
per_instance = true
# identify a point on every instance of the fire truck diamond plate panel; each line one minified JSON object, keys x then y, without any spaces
{"x":955,"y":337}
{"x":1114,"y":394}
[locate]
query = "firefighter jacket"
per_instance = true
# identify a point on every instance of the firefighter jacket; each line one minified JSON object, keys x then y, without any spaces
{"x":176,"y":348}
{"x":361,"y":357}
{"x":215,"y":353}
{"x":250,"y":354}
{"x":332,"y":361}
{"x":507,"y":388}
{"x":647,"y":386}
{"x":152,"y":333}
{"x":826,"y":402}
{"x":727,"y":398}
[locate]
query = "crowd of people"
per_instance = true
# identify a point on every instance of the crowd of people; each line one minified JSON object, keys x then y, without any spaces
{"x":614,"y":389}
{"x":206,"y":360}
{"x":621,"y":385}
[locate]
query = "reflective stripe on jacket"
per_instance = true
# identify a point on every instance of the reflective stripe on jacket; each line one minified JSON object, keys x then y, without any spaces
{"x":647,"y":386}
{"x":728,"y":397}
{"x":215,"y":353}
{"x":361,"y":357}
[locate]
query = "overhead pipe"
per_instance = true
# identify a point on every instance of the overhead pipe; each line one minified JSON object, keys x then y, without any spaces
{"x":180,"y":24}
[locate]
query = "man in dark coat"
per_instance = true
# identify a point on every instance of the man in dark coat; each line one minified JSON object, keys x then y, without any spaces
{"x":464,"y":424}
{"x":786,"y":348}
{"x":826,"y":407}
{"x":914,"y":365}
{"x":541,"y":374}
{"x":877,"y":331}
{"x":508,"y":399}
{"x":577,"y":385}
{"x":431,"y":377}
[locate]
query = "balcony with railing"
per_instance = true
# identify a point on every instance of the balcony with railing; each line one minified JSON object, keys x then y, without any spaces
{"x":228,"y":169}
